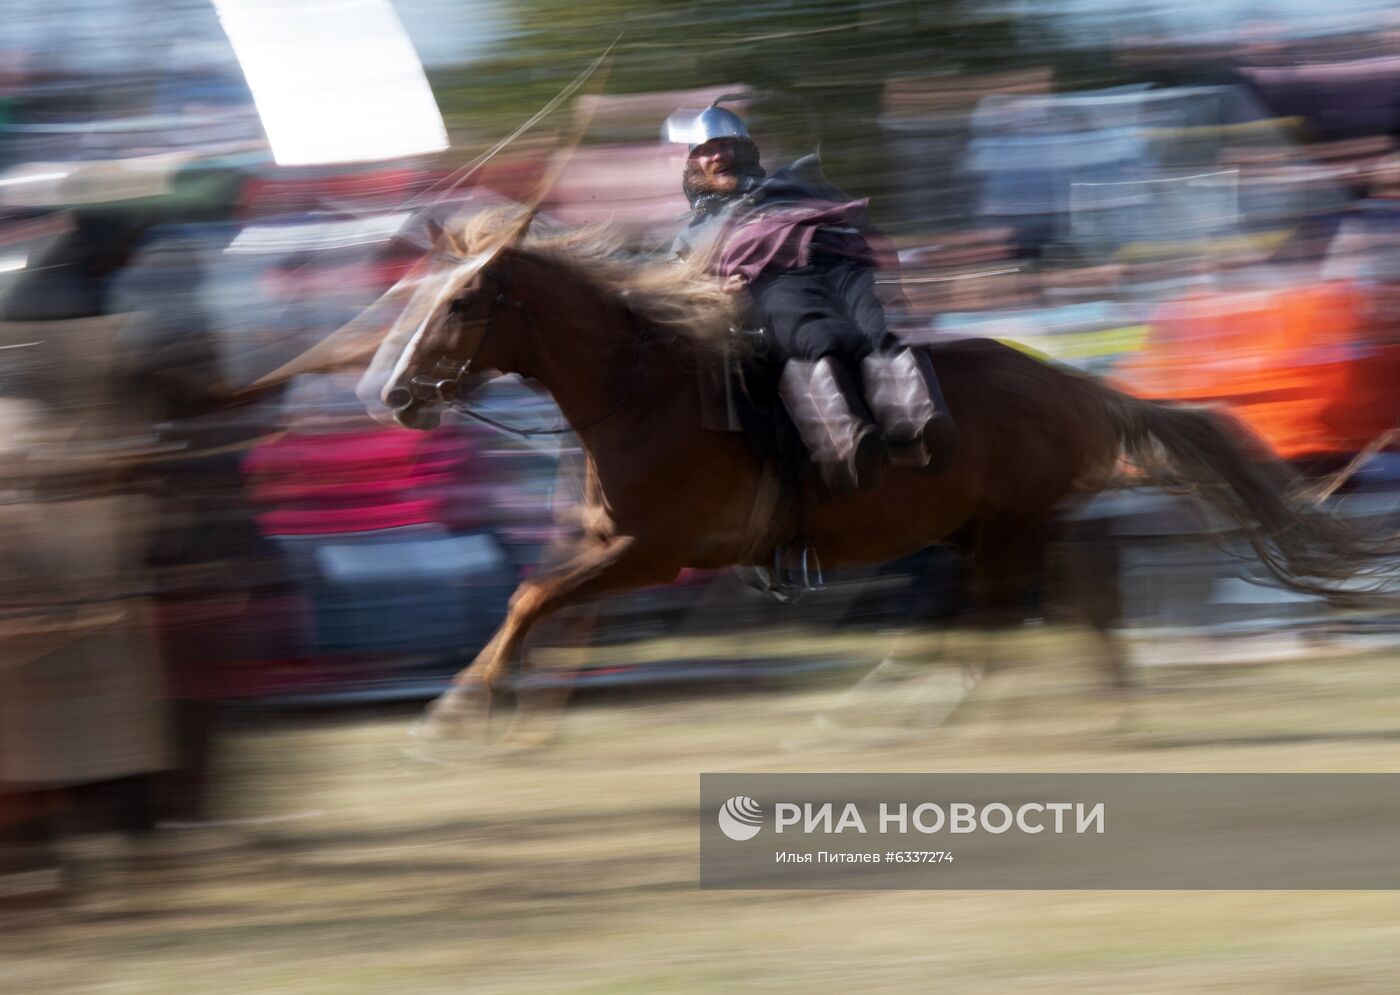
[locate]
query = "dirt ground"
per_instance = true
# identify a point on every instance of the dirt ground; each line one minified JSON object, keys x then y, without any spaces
{"x":574,"y":868}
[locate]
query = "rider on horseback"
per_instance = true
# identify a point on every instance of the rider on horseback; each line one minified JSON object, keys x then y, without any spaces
{"x":808,"y":258}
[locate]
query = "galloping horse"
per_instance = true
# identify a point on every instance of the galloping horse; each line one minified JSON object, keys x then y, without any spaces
{"x":619,"y":345}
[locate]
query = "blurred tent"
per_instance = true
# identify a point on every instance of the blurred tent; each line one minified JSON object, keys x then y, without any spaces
{"x":1084,"y":23}
{"x":1339,"y":100}
{"x":1132,"y":172}
{"x":927,"y":124}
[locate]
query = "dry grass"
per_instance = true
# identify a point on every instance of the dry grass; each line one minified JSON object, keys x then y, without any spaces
{"x":574,"y":870}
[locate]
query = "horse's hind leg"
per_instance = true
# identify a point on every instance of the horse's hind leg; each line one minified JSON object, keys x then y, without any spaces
{"x":1005,"y":560}
{"x":1087,"y":583}
{"x":601,"y":565}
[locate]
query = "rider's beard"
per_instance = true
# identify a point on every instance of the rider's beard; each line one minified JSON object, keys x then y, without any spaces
{"x":696,"y":182}
{"x":703,"y":188}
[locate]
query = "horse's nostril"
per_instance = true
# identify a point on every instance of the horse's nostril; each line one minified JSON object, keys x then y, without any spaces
{"x":398,"y":397}
{"x":432,"y":389}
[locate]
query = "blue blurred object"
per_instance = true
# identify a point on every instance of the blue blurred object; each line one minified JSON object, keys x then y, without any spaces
{"x":403,"y":591}
{"x":1380,"y":471}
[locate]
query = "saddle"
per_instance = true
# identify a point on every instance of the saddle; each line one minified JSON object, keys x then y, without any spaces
{"x":750,"y":389}
{"x":739,"y":393}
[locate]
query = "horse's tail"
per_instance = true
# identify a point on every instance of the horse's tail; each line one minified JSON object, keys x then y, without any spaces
{"x":1299,"y":542}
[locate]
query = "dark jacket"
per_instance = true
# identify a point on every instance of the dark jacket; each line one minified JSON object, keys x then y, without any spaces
{"x":778,"y":223}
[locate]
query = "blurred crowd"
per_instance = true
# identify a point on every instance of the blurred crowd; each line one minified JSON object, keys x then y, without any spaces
{"x":1217,"y":218}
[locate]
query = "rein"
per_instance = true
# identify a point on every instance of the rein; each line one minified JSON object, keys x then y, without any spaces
{"x":503,"y":280}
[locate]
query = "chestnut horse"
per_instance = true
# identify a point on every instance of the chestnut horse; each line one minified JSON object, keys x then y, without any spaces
{"x":620,"y":344}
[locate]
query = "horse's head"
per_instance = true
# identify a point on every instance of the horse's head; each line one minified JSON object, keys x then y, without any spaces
{"x":429,"y":358}
{"x":467,"y":318}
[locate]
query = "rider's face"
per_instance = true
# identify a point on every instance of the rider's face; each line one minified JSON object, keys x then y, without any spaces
{"x":715,"y":166}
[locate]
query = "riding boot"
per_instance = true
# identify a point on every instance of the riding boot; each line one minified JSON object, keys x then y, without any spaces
{"x":904,"y":394}
{"x":840,"y":436}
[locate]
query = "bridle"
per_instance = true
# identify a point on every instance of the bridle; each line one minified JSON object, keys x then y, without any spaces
{"x":445,"y":383}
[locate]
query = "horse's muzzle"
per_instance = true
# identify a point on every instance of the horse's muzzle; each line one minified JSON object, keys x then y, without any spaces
{"x":423,"y":390}
{"x":418,"y":403}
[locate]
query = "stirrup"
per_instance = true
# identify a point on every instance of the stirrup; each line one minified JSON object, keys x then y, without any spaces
{"x":796,"y":571}
{"x":796,"y":567}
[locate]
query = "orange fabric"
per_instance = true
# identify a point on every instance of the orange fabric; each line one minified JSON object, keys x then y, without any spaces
{"x":1294,"y":364}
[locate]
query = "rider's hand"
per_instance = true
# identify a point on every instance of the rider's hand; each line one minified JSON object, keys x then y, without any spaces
{"x":733,"y":283}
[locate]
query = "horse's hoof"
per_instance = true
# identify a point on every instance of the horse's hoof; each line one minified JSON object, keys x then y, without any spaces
{"x":425,"y":742}
{"x":517,"y":743}
{"x":444,"y":718}
{"x":455,"y":726}
{"x":440,"y":723}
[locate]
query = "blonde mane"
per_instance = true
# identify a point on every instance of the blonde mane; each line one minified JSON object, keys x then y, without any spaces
{"x":681,"y":297}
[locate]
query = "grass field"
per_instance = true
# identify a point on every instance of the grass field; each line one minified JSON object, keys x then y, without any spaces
{"x":573,"y":869}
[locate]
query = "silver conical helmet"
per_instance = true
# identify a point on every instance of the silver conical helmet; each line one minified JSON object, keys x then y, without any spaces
{"x":698,"y":127}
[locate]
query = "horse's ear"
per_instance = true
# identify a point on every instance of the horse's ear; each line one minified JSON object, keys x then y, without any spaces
{"x":521,"y":228}
{"x":443,"y":238}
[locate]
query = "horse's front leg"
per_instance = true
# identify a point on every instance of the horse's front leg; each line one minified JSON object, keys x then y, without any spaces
{"x":602,"y":565}
{"x":465,"y":696}
{"x":534,"y":721}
